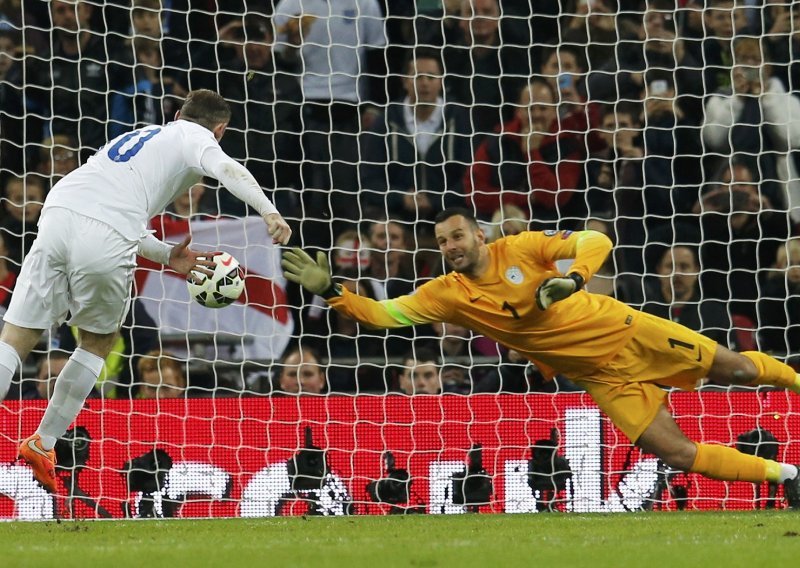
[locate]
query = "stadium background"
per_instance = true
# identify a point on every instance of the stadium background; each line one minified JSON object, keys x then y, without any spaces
{"x":313,"y":119}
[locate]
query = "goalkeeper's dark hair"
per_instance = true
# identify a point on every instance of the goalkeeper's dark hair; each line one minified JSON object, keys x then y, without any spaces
{"x":443,"y":216}
{"x":206,"y":108}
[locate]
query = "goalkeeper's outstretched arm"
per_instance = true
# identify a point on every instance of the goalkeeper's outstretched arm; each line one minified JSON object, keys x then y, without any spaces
{"x":315,"y":276}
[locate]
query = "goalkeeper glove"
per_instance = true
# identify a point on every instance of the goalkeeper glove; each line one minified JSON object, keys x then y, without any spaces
{"x":314,"y":276}
{"x":556,"y":289}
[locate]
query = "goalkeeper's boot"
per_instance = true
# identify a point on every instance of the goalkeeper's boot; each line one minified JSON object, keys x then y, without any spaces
{"x":42,"y":462}
{"x":791,"y":492}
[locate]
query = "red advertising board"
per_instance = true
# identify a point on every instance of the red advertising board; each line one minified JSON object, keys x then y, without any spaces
{"x":229,"y":455}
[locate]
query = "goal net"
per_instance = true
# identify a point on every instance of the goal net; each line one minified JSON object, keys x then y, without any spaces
{"x":671,"y":126}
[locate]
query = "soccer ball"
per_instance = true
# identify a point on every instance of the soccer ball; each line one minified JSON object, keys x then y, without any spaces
{"x":222,"y":288}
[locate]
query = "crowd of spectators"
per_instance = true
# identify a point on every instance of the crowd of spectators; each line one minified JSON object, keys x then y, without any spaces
{"x":671,"y":125}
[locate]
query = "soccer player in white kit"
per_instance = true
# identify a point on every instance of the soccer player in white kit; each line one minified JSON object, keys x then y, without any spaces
{"x":93,"y":224}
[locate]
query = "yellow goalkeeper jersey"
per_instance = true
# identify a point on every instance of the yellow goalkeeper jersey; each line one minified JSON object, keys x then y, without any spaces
{"x":574,"y":336}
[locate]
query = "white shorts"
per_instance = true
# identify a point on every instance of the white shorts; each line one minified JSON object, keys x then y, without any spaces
{"x":78,"y":266}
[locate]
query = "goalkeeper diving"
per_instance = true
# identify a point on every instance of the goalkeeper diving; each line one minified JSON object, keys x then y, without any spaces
{"x":512,"y":292}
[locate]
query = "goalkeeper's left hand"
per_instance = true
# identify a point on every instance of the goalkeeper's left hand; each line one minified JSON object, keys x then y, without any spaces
{"x":556,"y":289}
{"x":314,"y":276}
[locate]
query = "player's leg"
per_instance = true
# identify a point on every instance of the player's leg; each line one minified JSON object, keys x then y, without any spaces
{"x":39,"y":298}
{"x":15,"y":344}
{"x":73,"y":385}
{"x":99,"y":272}
{"x":664,"y":439}
{"x":752,"y":368}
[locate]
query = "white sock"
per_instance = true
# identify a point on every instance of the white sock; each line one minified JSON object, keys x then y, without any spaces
{"x":788,"y":472}
{"x":73,"y":385}
{"x":9,"y":361}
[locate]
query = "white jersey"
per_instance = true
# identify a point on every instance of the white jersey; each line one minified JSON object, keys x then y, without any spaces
{"x":136,"y":175}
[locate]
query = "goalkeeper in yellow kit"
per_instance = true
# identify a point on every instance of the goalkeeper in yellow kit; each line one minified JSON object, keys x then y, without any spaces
{"x":511,"y":291}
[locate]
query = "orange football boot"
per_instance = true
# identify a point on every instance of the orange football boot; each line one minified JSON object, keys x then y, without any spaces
{"x":42,"y":462}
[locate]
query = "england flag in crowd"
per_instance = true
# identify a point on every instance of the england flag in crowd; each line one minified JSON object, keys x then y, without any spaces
{"x":257,"y":326}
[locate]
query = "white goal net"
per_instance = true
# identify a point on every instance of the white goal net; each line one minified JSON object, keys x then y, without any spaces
{"x":673,"y":126}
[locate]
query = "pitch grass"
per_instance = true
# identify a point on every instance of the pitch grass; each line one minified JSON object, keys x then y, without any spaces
{"x":649,"y":540}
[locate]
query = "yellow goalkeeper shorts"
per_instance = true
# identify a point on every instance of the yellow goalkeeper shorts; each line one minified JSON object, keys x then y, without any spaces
{"x":661,"y":354}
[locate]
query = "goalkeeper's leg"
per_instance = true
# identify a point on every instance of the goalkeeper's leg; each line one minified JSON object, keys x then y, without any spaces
{"x":664,"y":439}
{"x":752,"y":368}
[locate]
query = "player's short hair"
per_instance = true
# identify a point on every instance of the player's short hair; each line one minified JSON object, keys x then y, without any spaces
{"x":206,"y":108}
{"x":444,"y":215}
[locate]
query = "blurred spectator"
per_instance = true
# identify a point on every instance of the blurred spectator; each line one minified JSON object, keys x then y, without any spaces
{"x":675,"y":295}
{"x":600,"y":27}
{"x":782,"y":24}
{"x":508,"y":220}
{"x":461,"y":373}
{"x":18,"y":19}
{"x":657,"y":46}
{"x":189,"y":204}
{"x":528,"y":165}
{"x":755,"y":122}
{"x":152,"y":97}
{"x":671,"y":151}
{"x":779,"y":304}
{"x":350,"y":345}
{"x":58,"y":156}
{"x":616,"y":171}
{"x":351,"y":251}
{"x":301,"y":372}
{"x":393,"y":272}
{"x":160,"y":376}
{"x":481,"y":71}
{"x":564,"y":69}
{"x":710,"y":42}
{"x":670,"y":169}
{"x":47,"y":371}
{"x":148,"y":19}
{"x":329,"y":43}
{"x":740,"y":236}
{"x":22,"y":205}
{"x":416,"y":152}
{"x":343,"y":340}
{"x":391,"y":267}
{"x":15,"y":128}
{"x":70,"y":85}
{"x":420,"y":373}
{"x":265,"y":103}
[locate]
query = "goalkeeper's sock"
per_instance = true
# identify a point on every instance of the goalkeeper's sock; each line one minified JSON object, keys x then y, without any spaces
{"x":780,"y":472}
{"x":728,"y":464}
{"x":73,"y":385}
{"x":773,"y":372}
{"x":9,"y":361}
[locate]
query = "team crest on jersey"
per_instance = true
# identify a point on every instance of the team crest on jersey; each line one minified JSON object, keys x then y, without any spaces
{"x":514,"y":275}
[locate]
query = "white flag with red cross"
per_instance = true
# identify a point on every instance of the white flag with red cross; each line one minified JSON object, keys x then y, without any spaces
{"x":257,"y":326}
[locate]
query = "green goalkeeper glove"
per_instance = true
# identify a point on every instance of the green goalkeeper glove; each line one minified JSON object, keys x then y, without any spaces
{"x":314,"y":276}
{"x":556,"y":289}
